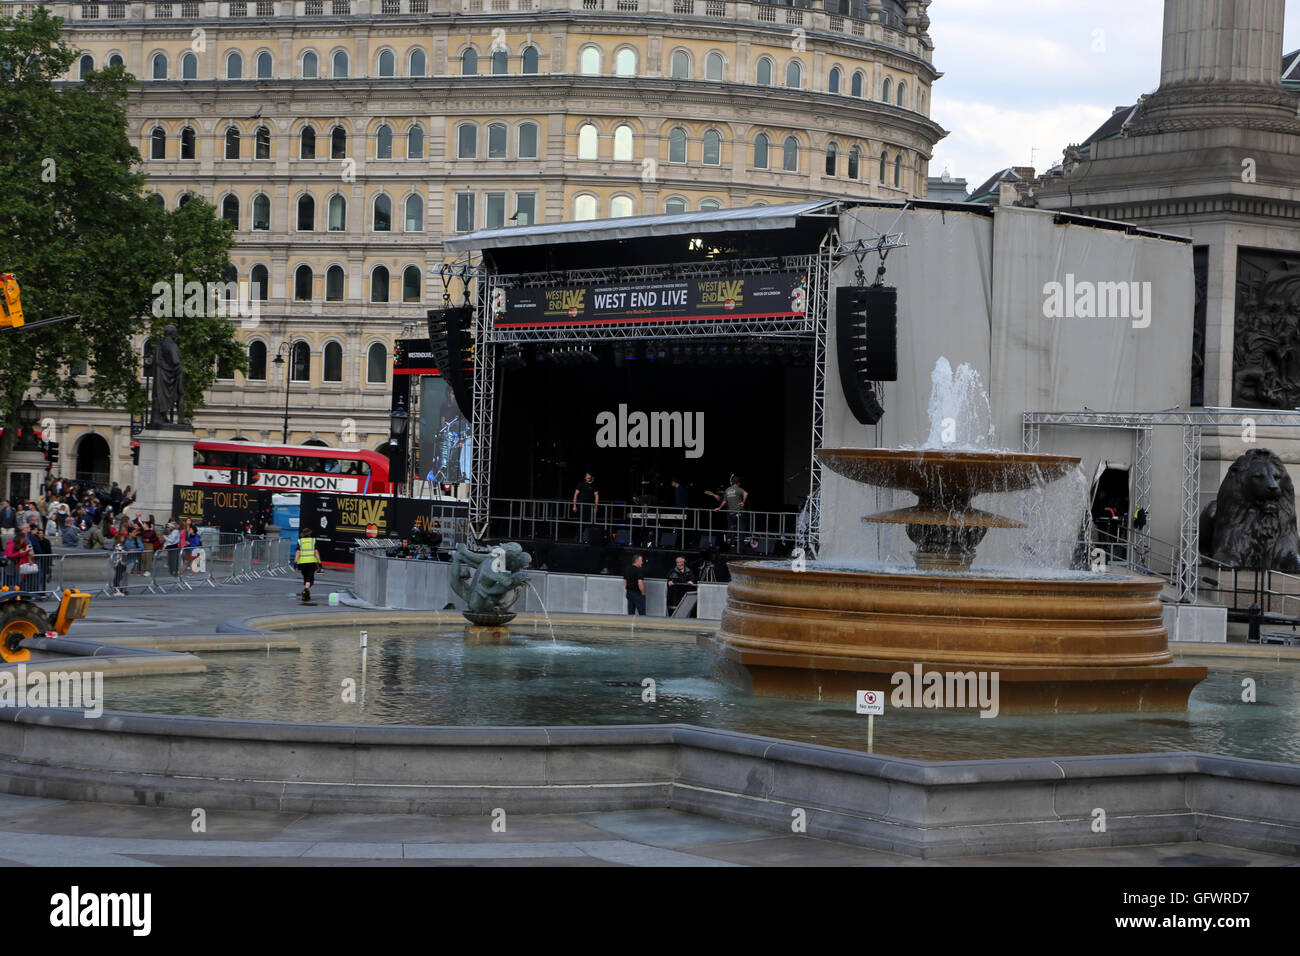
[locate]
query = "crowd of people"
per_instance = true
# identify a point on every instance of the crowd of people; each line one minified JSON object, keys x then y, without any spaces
{"x":84,"y":515}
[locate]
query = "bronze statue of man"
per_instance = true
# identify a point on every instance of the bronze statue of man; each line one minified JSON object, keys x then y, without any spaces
{"x":168,"y":381}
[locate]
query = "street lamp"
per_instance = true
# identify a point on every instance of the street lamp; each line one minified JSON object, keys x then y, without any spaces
{"x":285,"y":349}
{"x":400,"y":421}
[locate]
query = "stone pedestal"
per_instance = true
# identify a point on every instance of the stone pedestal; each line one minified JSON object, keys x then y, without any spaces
{"x":166,"y":459}
{"x":23,"y":473}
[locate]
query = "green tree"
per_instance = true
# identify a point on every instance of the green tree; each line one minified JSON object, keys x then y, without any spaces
{"x":82,"y":238}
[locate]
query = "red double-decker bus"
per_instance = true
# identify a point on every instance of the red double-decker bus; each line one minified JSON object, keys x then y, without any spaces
{"x":290,"y":468}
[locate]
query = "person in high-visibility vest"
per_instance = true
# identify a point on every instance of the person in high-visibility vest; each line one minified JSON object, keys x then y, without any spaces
{"x":307,"y":560}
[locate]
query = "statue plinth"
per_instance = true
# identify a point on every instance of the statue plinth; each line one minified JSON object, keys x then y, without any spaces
{"x":166,"y":460}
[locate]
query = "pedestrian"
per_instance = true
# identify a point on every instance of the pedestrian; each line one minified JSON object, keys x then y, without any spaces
{"x":307,"y":560}
{"x":680,"y":583}
{"x":118,"y":562}
{"x":193,"y":544}
{"x":634,"y":586}
{"x":134,"y":548}
{"x":172,"y":544}
{"x":149,"y":538}
{"x":42,"y":555}
{"x":18,"y":560}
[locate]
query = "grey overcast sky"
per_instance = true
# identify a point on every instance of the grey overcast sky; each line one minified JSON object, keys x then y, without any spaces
{"x":1023,"y":79}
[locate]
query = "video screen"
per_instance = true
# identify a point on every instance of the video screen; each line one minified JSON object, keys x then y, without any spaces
{"x":445,"y":448}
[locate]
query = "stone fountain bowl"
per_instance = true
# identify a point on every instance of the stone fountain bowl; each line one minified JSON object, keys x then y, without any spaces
{"x":969,"y":473}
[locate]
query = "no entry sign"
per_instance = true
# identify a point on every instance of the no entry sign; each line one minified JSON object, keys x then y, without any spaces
{"x":871,"y":702}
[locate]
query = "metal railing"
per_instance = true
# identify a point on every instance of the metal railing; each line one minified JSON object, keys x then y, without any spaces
{"x":649,"y":526}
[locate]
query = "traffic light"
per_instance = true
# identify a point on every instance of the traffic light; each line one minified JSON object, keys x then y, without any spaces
{"x":135,"y":453}
{"x":11,"y":303}
{"x":52,"y":452}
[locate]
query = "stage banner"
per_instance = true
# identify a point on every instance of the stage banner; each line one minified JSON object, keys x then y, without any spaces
{"x":339,"y":521}
{"x":413,"y":357}
{"x":229,"y":509}
{"x":774,"y":295}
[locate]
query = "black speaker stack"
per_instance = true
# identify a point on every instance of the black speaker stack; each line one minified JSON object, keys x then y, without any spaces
{"x":866,"y":337}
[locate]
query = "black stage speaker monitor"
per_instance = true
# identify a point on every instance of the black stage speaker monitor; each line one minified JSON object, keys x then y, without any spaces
{"x":453,"y":352}
{"x":866,"y":337}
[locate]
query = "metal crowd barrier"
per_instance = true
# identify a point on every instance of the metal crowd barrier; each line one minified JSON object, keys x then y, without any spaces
{"x":45,"y":581}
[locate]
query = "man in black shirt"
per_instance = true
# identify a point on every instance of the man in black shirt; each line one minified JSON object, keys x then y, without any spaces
{"x":588,"y":495}
{"x":680,"y":583}
{"x":634,"y":585}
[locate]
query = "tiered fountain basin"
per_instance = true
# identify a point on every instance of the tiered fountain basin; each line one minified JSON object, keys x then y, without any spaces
{"x":1059,"y":641}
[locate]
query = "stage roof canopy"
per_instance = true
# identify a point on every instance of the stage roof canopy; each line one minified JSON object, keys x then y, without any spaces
{"x":746,"y":219}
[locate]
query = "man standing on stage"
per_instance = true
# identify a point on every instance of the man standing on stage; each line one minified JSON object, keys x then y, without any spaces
{"x":680,"y":583}
{"x":588,"y":495}
{"x":634,"y":585}
{"x":734,"y":500}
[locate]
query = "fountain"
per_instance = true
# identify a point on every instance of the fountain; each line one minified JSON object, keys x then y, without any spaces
{"x":1057,"y":640}
{"x":489,"y":581}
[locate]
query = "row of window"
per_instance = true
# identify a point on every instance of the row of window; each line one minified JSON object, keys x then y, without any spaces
{"x":381,"y":219}
{"x":590,"y":63}
{"x":498,"y":137}
{"x":304,"y":283}
{"x":300,"y":363}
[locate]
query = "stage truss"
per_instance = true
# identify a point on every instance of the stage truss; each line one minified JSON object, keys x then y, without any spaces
{"x":1193,"y":423}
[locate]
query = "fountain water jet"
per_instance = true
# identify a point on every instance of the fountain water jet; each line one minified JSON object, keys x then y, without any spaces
{"x":1059,"y":641}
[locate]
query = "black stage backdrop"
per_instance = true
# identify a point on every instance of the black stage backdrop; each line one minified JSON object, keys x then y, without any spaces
{"x":340,"y":520}
{"x":757,"y":423}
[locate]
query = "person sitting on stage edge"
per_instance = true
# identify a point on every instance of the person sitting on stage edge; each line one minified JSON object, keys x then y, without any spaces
{"x":634,"y":585}
{"x":680,"y":583}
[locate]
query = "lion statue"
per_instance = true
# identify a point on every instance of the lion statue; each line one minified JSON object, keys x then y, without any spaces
{"x":1252,"y":521}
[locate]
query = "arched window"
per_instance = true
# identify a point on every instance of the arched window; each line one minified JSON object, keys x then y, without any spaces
{"x":339,"y":65}
{"x":387,"y":63}
{"x":761,"y":143}
{"x":310,"y":65}
{"x":530,"y":59}
{"x":589,"y":61}
{"x":855,"y":88}
{"x":414,"y":214}
{"x":257,"y":362}
{"x":261,"y":213}
{"x":902,"y":93}
{"x":587,"y":142}
{"x":384,"y":142}
{"x":763,"y":76}
{"x":681,"y":65}
{"x":383,"y":215}
{"x":497,"y":141}
{"x":232,"y":142}
{"x":466,"y":141}
{"x":185,"y":198}
{"x":188,"y":143}
{"x":712,"y":148}
{"x":332,"y":365}
{"x":334,"y":284}
{"x":115,"y":59}
{"x":625,"y":62}
{"x":884,"y":166}
{"x":259,"y":281}
{"x":500,"y":62}
{"x":158,"y":200}
{"x":158,"y":143}
{"x":528,"y":141}
{"x":674,"y":206}
{"x":885,"y":93}
{"x":854,"y":159}
{"x":306,"y":214}
{"x":621,"y":206}
{"x":623,"y":144}
{"x":677,"y":145}
{"x":265,"y":66}
{"x":230,"y":210}
{"x":710,"y":205}
{"x":833,"y":81}
{"x":469,"y":63}
{"x":417,"y":65}
{"x":302,"y":283}
{"x":338,"y":143}
{"x":262,"y":143}
{"x":714,"y":67}
{"x":793,"y":75}
{"x":411,"y":284}
{"x":234,"y":66}
{"x":300,"y":362}
{"x":898,"y":170}
{"x":832,"y":160}
{"x":415,"y":142}
{"x":377,"y":365}
{"x":85,"y":66}
{"x":189,"y":67}
{"x":584,"y":207}
{"x":307,"y":143}
{"x":160,"y":66}
{"x":338,"y":214}
{"x":790,"y":155}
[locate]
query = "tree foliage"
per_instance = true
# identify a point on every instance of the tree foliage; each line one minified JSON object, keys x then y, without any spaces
{"x":83,"y":238}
